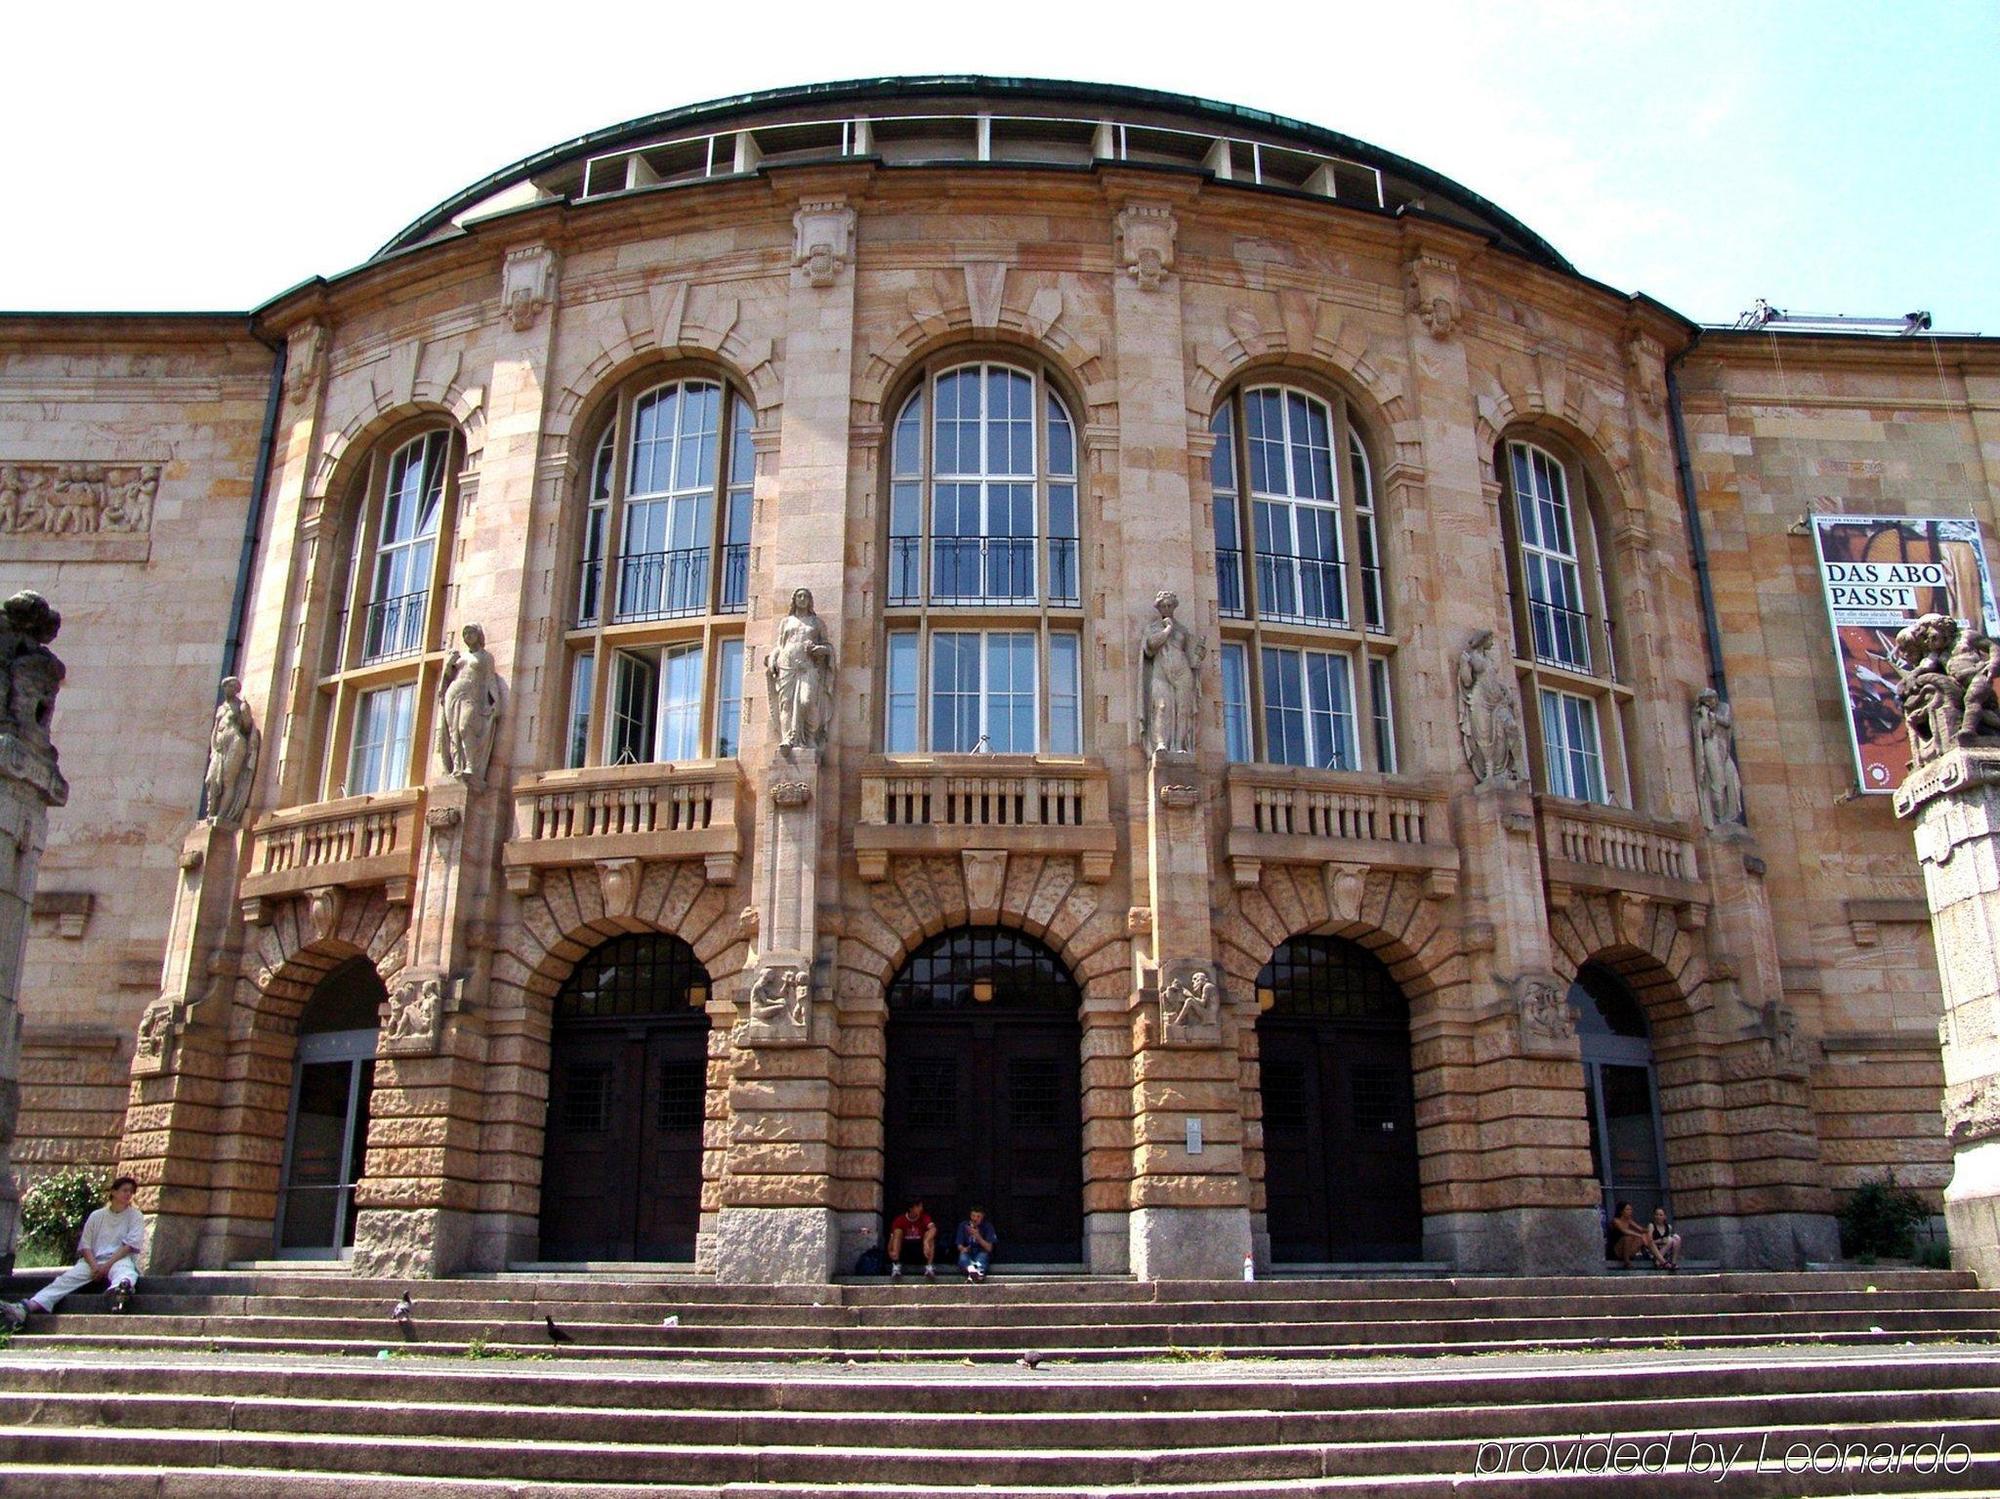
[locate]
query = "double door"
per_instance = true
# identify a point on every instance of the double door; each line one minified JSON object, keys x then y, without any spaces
{"x":1340,"y":1142}
{"x":986,"y":1110}
{"x":621,"y":1171}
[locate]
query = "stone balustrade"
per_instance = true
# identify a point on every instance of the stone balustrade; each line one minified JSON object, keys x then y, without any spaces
{"x":354,"y":842}
{"x":1012,"y":802}
{"x":1591,"y":847}
{"x":1288,"y":814}
{"x":648,"y":812}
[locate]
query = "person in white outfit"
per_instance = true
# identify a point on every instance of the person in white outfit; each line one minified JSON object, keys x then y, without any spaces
{"x":108,"y":1249}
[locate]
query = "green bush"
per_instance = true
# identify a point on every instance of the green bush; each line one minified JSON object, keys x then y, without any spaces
{"x":53,"y":1210}
{"x":1934,"y":1254}
{"x":1881,"y":1218}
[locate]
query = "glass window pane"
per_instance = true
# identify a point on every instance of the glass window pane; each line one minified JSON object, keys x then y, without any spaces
{"x":577,"y":746}
{"x":1236,"y":702}
{"x":1284,"y":709}
{"x":1222,"y":463}
{"x":680,"y":704}
{"x":1384,"y":711}
{"x":728,"y":697}
{"x":1330,"y":710}
{"x":909,"y":439}
{"x":954,"y":691}
{"x":742,"y":449}
{"x":634,"y":701}
{"x":1062,"y":440}
{"x":900,"y":735}
{"x":1010,"y":693}
{"x":1065,"y":694}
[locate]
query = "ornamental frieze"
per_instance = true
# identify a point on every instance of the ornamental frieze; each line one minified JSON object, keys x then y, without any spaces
{"x":77,"y":512}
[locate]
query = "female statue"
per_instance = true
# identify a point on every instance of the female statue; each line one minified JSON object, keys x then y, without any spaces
{"x":799,"y":676}
{"x":468,"y":709}
{"x":1168,"y":686}
{"x":233,"y":744}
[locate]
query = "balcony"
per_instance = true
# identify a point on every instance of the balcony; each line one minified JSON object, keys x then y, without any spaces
{"x":1288,"y":814}
{"x":656,"y":813}
{"x":1013,"y":802}
{"x":354,"y":843}
{"x":1597,"y":848}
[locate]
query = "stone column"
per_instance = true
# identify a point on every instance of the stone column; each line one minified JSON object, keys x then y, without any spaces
{"x":1955,"y":802}
{"x":30,"y":784}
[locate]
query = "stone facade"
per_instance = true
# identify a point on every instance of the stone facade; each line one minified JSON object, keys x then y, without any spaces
{"x":1782,"y":966}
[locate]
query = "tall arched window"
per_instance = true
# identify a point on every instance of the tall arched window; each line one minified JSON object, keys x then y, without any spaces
{"x":1307,"y":644}
{"x":385,"y":651}
{"x":663,"y":559}
{"x":1564,"y":644}
{"x":983,"y":598}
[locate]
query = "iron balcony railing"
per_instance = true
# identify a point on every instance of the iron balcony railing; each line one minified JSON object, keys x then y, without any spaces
{"x":983,"y":570}
{"x":1301,"y":590}
{"x":393,"y":627}
{"x":1570,"y":639}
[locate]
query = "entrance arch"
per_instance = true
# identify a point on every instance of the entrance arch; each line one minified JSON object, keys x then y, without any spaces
{"x":1340,"y":1126}
{"x":984,"y":1097}
{"x":1621,"y":1093}
{"x":628,"y":1079}
{"x":326,"y":1125}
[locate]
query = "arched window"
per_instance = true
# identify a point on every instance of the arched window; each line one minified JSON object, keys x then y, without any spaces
{"x":1307,"y":644}
{"x":386,"y":649}
{"x":983,"y":597}
{"x":1564,"y":644}
{"x":663,"y":560}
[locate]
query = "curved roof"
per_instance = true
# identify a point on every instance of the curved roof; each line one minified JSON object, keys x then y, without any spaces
{"x":1170,"y":130}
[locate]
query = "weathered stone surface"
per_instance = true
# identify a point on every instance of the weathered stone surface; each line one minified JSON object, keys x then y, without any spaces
{"x":775,"y":1245}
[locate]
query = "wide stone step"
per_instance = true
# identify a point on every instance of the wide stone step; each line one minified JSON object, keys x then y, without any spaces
{"x":827,"y":1470}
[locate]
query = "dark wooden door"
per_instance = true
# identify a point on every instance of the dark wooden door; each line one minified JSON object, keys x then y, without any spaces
{"x":987,"y":1110}
{"x":1340,"y":1146}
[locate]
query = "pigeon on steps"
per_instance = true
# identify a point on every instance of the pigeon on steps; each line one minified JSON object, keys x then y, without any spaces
{"x":400,"y":1314}
{"x":556,"y":1334}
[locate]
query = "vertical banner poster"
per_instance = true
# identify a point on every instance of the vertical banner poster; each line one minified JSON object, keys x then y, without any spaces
{"x":1879,"y":573}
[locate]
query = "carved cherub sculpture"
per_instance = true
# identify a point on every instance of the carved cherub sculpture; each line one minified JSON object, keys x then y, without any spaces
{"x":1947,"y":692}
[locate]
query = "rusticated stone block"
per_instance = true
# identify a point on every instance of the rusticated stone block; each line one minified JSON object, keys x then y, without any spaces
{"x":772,"y":1190}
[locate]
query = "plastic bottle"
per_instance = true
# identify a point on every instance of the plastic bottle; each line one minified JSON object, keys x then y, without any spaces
{"x":1249,"y":1267}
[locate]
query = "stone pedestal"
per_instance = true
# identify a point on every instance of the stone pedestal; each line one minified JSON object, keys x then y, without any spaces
{"x":30,"y":784}
{"x":1955,"y":803}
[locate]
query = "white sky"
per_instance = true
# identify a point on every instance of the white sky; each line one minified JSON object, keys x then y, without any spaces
{"x":1831,"y":157}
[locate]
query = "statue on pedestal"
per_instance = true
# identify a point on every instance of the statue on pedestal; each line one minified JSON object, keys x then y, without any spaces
{"x":233,"y":747}
{"x":1167,"y":679}
{"x":799,"y":677}
{"x":1947,"y":693}
{"x":1715,"y":771}
{"x":1489,"y":718}
{"x":468,"y":709}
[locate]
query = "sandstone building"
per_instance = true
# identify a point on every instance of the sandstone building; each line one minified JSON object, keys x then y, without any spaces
{"x":675,"y":914}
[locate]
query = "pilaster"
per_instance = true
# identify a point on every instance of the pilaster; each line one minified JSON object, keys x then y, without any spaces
{"x":30,"y":784}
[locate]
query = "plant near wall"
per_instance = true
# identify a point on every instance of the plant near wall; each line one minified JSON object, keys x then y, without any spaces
{"x":1880,"y":1219}
{"x":53,"y":1210}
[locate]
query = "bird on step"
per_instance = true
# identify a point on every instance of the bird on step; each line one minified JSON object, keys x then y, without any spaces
{"x":1029,"y":1361}
{"x":556,"y":1334}
{"x":400,"y":1313}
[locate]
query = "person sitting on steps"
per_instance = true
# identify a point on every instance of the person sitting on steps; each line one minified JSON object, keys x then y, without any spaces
{"x":1628,"y":1238}
{"x":1666,"y":1244}
{"x":108,"y":1249}
{"x":976,"y":1238}
{"x":909,"y":1229}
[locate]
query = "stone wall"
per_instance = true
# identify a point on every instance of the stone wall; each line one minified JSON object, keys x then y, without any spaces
{"x":137,"y":436}
{"x":1780,"y":428}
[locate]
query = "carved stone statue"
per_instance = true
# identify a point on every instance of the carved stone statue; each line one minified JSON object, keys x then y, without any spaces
{"x":1167,"y":682}
{"x":1189,"y":1001}
{"x":1489,"y":718}
{"x":233,"y":747}
{"x":33,"y":673}
{"x":1545,"y":1010}
{"x":1947,"y":692}
{"x":468,"y":709}
{"x":799,"y":677}
{"x":780,"y":997}
{"x":1715,"y":771}
{"x":413,"y":1010}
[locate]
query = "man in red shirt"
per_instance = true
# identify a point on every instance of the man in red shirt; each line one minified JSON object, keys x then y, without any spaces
{"x":911,"y":1227}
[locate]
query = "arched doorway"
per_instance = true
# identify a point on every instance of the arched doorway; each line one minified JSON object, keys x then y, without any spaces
{"x":1621,"y":1093}
{"x":1340,"y":1126}
{"x":326,"y":1126}
{"x":628,"y":1078}
{"x":984,"y":1099}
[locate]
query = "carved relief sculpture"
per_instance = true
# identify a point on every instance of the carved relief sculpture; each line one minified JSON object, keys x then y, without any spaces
{"x":155,"y":1033}
{"x":799,"y":677}
{"x":1430,"y":290}
{"x":1947,"y":690}
{"x":1545,"y":1010}
{"x":1720,"y":785}
{"x":1146,"y":233}
{"x":527,"y":284}
{"x":1190,"y":1003}
{"x":823,"y":238}
{"x":781,"y":998}
{"x":468,"y":709}
{"x":1168,"y":700}
{"x":1489,"y":719}
{"x":77,"y":499}
{"x":233,"y":747}
{"x":415,"y":1007}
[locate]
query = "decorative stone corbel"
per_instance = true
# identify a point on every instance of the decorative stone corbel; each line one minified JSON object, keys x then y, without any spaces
{"x":323,"y":908}
{"x":1190,"y":1004}
{"x":618,"y":880}
{"x":159,"y":1031}
{"x":1345,"y":886}
{"x":1790,"y":1052}
{"x":1645,"y":364}
{"x":823,"y":239}
{"x":1430,"y":290}
{"x":527,"y":284}
{"x":985,"y":878}
{"x":305,"y":360}
{"x":1631,"y":912}
{"x":1146,"y":234}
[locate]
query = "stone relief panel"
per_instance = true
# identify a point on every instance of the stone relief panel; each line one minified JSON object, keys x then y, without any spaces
{"x":779,"y":1005}
{"x":77,"y":512}
{"x":1190,"y":1005}
{"x":416,"y":1017}
{"x":1547,"y":1021}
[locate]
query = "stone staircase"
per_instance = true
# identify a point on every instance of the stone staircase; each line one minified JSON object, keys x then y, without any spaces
{"x":295,"y":1385}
